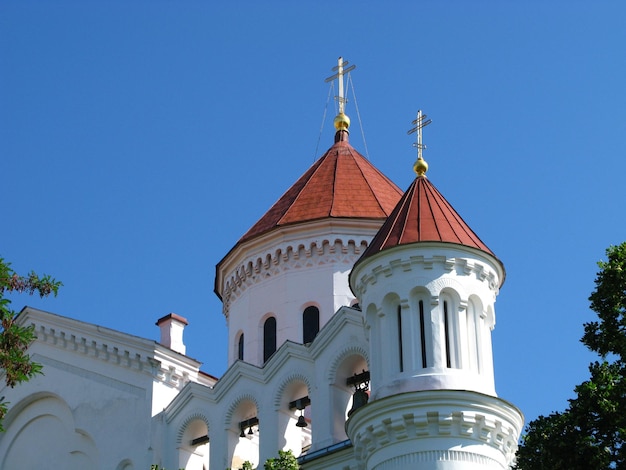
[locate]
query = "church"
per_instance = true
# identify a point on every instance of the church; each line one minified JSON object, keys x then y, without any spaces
{"x":359,"y":338}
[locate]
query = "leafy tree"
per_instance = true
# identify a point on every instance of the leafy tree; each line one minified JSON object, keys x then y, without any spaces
{"x":591,"y":432}
{"x":285,"y":461}
{"x":247,"y":465}
{"x":15,"y":363}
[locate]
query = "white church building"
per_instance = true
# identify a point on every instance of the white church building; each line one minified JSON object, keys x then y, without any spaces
{"x":359,"y":337}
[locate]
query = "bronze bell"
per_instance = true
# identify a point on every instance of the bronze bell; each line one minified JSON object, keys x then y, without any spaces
{"x":301,"y":422}
{"x":359,"y":399}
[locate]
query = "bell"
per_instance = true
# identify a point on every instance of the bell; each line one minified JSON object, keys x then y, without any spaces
{"x":301,"y":422}
{"x":359,"y":399}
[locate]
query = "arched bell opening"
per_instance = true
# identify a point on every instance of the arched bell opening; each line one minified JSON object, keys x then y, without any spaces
{"x":193,"y":452}
{"x":244,"y":434}
{"x":294,"y":422}
{"x":344,"y":394}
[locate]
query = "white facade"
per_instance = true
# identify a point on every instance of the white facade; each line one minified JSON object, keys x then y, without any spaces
{"x":94,"y":406}
{"x":433,"y":401}
{"x":109,"y":400}
{"x":282,"y":273}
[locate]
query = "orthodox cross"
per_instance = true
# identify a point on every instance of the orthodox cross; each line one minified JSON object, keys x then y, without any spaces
{"x":420,"y":122}
{"x":339,"y":68}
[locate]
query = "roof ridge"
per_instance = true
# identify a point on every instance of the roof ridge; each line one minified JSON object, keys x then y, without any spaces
{"x":463,"y":225}
{"x":319,"y":163}
{"x":437,"y":221}
{"x":430,"y":203}
{"x":358,"y":162}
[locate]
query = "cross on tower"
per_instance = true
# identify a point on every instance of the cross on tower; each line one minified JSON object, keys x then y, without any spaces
{"x":420,"y":122}
{"x":341,"y":71}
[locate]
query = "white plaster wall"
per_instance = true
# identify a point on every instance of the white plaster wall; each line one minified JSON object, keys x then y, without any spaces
{"x":393,"y":277}
{"x":339,"y":351}
{"x":98,"y":395}
{"x":107,"y":411}
{"x":284,"y":272}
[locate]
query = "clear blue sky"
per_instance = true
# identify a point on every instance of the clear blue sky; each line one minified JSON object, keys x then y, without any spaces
{"x":140,"y":139}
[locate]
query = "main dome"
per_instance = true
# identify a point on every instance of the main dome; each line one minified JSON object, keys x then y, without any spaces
{"x":340,"y":184}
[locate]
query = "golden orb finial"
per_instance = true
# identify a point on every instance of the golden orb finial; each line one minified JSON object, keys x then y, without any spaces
{"x":342,"y":122}
{"x":420,"y":167}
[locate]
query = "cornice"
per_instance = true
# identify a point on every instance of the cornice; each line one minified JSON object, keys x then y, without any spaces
{"x":413,"y":459}
{"x":457,"y":414}
{"x":404,"y":259}
{"x":302,"y":253}
{"x":137,"y":355}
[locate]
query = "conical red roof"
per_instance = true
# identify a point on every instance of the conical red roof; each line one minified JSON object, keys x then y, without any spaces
{"x":423,"y":214}
{"x":342,"y":183}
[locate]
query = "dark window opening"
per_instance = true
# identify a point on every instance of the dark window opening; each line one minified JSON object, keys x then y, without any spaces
{"x":446,"y":331}
{"x":310,"y":324}
{"x":240,"y":348}
{"x":423,"y":335}
{"x":400,"y":338}
{"x":269,"y":338}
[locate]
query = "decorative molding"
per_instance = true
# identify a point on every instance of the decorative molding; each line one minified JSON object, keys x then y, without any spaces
{"x":245,"y":396}
{"x":409,"y":460}
{"x":196,"y":414}
{"x":465,"y":266}
{"x":343,"y":250}
{"x":349,"y":350}
{"x":451,"y":414}
{"x":289,"y":379}
{"x":135,"y":360}
{"x":125,"y":387}
{"x":482,"y":428}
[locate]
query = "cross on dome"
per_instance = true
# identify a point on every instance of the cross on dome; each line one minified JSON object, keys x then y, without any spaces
{"x":420,"y":166}
{"x":342,"y":122}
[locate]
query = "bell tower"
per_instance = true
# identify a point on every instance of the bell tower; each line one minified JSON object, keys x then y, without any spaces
{"x":427,"y":286}
{"x":288,"y":274}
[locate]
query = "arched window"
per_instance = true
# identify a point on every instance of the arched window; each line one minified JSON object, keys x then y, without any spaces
{"x":446,"y":332}
{"x":193,"y":452}
{"x":269,"y":338}
{"x":451,"y":334}
{"x":399,"y":319}
{"x":310,"y":324}
{"x":240,"y":348}
{"x":423,"y":334}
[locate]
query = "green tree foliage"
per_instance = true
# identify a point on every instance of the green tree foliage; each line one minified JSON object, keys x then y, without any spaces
{"x":247,"y":465}
{"x":591,"y":432}
{"x":15,"y":363}
{"x":285,"y":461}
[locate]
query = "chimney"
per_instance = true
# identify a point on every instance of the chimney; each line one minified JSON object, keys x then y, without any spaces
{"x":172,"y":327}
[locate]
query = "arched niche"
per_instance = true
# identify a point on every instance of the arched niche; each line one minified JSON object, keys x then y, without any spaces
{"x":194,"y":444}
{"x":243,"y":428}
{"x":351,"y":362}
{"x":47,"y":420}
{"x":294,"y":401}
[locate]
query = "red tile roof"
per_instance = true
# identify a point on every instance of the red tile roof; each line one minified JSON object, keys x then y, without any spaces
{"x":423,"y":215}
{"x":342,"y":183}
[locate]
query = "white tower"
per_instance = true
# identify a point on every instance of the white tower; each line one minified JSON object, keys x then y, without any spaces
{"x":288,"y":275}
{"x":427,"y":286}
